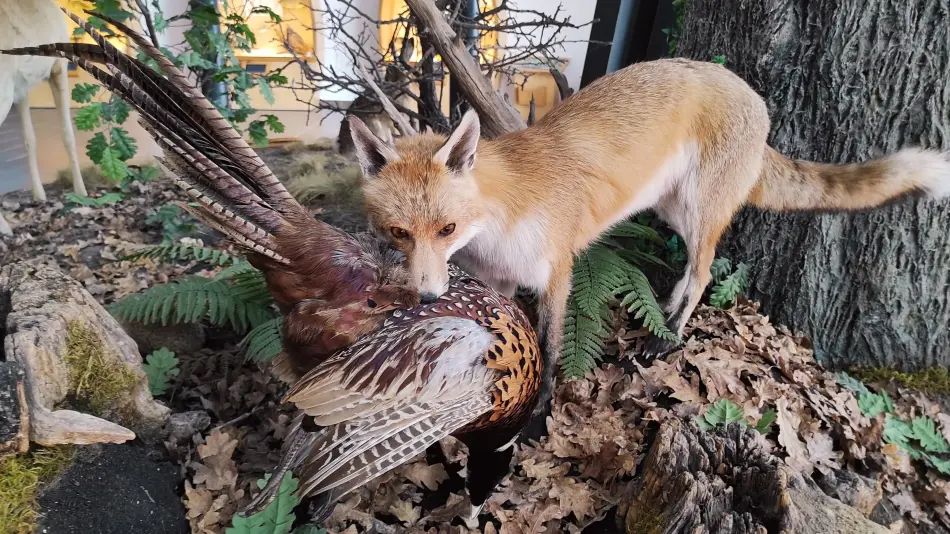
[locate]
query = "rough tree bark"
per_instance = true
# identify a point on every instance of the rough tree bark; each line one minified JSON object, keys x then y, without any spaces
{"x":724,"y":482}
{"x":845,"y":80}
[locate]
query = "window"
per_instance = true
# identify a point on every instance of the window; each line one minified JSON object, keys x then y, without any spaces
{"x":392,"y":35}
{"x":294,"y":29}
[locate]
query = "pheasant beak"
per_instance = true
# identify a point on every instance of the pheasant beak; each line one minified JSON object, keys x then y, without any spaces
{"x":472,"y":520}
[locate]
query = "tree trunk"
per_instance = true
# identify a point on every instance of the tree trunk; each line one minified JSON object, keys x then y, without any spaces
{"x":724,"y":482}
{"x":845,"y":81}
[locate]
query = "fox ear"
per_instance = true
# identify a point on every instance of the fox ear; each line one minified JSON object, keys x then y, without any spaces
{"x":458,"y":153}
{"x":372,"y":152}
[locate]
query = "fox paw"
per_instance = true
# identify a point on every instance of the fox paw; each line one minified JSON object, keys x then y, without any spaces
{"x":657,"y":347}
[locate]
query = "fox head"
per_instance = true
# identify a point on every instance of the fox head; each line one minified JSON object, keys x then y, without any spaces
{"x":420,"y":194}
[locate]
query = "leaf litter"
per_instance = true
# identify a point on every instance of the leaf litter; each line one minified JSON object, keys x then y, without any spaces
{"x":734,"y":361}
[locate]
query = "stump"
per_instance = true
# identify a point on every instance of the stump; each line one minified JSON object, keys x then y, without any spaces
{"x":723,"y":482}
{"x":75,"y":358}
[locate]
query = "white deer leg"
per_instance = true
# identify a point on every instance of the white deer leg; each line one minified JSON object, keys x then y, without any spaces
{"x":59,"y":84}
{"x":29,"y":142}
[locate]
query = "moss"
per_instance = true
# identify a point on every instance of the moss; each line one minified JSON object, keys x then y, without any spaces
{"x":95,"y":381}
{"x":324,"y":143}
{"x":647,"y":522}
{"x":935,"y":380}
{"x":20,"y":480}
{"x":91,"y":176}
{"x":327,"y":177}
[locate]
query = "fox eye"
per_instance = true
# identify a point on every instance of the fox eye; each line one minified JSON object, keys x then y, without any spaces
{"x":398,"y":232}
{"x":447,"y":229}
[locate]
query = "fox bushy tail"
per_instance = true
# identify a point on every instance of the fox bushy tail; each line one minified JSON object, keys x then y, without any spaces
{"x":786,"y":184}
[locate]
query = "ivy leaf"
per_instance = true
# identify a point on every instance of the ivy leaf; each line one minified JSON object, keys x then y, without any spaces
{"x":723,"y":412}
{"x":159,"y":366}
{"x":112,"y":166}
{"x":96,"y":145}
{"x":83,"y":92}
{"x":766,"y":421}
{"x":87,"y":117}
{"x":925,"y":431}
{"x":122,"y":143}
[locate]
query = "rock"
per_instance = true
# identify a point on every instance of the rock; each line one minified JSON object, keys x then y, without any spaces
{"x":114,"y":489}
{"x":14,"y":416}
{"x":73,"y":353}
{"x":182,"y":426}
{"x":722,"y":481}
{"x":181,"y":338}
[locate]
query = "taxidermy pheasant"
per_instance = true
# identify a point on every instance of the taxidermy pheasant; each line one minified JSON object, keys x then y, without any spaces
{"x":376,"y":377}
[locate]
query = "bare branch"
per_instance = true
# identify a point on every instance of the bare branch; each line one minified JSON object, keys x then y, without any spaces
{"x":404,"y":127}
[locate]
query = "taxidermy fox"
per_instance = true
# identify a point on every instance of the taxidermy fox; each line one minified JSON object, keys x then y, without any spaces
{"x":684,"y":138}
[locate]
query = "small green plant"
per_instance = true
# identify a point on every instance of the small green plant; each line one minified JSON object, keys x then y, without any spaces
{"x":236,"y":298}
{"x":673,"y":34}
{"x":183,"y":252}
{"x":919,"y":437}
{"x":160,"y":367}
{"x":724,"y":411}
{"x":719,"y":59}
{"x":175,"y":224}
{"x":727,"y":283}
{"x":277,"y":518}
{"x":605,"y":270}
{"x":73,"y":200}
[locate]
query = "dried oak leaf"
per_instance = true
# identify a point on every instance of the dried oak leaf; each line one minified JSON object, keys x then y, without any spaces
{"x":821,"y":452}
{"x":423,"y":474}
{"x":216,"y":469}
{"x":788,"y":424}
{"x":406,"y":512}
{"x":573,"y":497}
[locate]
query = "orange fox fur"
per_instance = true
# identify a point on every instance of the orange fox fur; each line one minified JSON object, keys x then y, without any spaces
{"x":685,"y":138}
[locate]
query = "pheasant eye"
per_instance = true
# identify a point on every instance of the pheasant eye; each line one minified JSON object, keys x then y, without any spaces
{"x":447,"y":229}
{"x":398,"y":232}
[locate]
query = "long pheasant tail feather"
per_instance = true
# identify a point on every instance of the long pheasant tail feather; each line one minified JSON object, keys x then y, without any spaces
{"x":296,"y":452}
{"x":218,"y":127}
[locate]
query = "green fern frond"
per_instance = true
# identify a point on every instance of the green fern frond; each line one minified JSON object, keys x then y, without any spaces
{"x":583,"y":342}
{"x":641,"y":302}
{"x":183,"y":253}
{"x":720,"y":268}
{"x":598,"y":274}
{"x":725,"y":292}
{"x":265,"y":341}
{"x":636,"y":230}
{"x":641,"y":258}
{"x":195,"y":298}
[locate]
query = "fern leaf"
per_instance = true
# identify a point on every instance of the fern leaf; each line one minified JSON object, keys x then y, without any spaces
{"x":598,"y":273}
{"x":641,"y":258}
{"x":183,"y":252}
{"x":265,"y":341}
{"x":635,"y":230}
{"x":583,"y":342}
{"x":725,"y":292}
{"x":277,"y":518}
{"x":195,"y":298}
{"x":641,"y":302}
{"x":720,"y":269}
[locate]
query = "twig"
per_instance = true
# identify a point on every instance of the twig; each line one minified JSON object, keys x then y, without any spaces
{"x":143,"y":7}
{"x":404,"y":127}
{"x":238,"y":419}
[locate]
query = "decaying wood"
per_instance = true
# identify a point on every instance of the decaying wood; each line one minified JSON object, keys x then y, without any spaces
{"x":497,"y":116}
{"x":724,"y":482}
{"x":39,"y":306}
{"x":5,"y":226}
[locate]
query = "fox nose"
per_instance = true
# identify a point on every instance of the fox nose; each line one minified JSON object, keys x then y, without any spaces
{"x":428,"y":298}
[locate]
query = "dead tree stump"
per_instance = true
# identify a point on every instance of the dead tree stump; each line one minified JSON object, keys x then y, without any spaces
{"x":81,"y":373}
{"x":723,"y":482}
